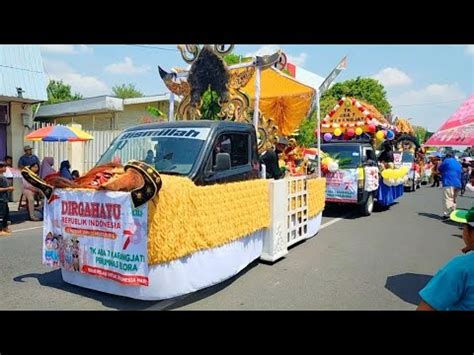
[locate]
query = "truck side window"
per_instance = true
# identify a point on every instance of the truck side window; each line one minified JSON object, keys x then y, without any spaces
{"x":237,"y":145}
{"x":370,"y":155}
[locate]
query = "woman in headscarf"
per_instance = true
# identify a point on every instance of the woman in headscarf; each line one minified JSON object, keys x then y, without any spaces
{"x":65,"y":171}
{"x":47,"y":168}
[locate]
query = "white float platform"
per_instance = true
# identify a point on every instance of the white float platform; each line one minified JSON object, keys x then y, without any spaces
{"x":179,"y":277}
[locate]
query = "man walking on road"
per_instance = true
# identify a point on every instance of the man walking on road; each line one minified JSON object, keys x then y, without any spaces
{"x":450,"y":171}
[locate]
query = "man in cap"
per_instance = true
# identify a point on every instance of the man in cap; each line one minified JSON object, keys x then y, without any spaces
{"x":452,"y":288}
{"x":28,"y":158}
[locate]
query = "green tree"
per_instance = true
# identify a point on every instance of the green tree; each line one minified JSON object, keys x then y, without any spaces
{"x":210,"y":105}
{"x":420,"y":134}
{"x":126,"y":91}
{"x":306,"y":136}
{"x":60,"y":92}
{"x":366,"y":89}
{"x":231,"y":59}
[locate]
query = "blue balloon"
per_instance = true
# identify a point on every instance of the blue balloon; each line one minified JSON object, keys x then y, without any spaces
{"x":390,"y":135}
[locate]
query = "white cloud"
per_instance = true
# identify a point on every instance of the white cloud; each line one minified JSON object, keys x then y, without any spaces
{"x":264,"y":50}
{"x":434,"y":93}
{"x":392,"y":77}
{"x":126,"y":67}
{"x":470,"y":49}
{"x":85,"y":49}
{"x":84,"y":84}
{"x":267,"y":49}
{"x":430,"y":106}
{"x":65,"y":48}
{"x":299,"y":60}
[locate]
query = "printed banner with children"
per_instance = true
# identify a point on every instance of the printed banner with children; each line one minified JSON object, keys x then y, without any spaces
{"x":97,"y":233}
{"x":341,"y":186}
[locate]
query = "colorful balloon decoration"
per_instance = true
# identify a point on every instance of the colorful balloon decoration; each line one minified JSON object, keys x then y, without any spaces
{"x":350,"y":132}
{"x":380,"y":135}
{"x":371,"y":128}
{"x":327,"y":137}
{"x":337,"y":132}
{"x":390,"y":135}
{"x":359,"y":131}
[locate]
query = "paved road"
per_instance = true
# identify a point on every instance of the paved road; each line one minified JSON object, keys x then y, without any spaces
{"x":377,"y":262}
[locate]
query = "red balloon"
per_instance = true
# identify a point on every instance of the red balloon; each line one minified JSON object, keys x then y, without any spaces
{"x":350,"y":132}
{"x":372,"y":128}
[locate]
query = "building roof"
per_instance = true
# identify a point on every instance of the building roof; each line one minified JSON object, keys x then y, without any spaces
{"x":99,"y":104}
{"x":21,"y":66}
{"x":95,"y":105}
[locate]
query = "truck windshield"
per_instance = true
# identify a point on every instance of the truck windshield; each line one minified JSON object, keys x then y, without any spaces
{"x":348,"y":155}
{"x":172,"y":151}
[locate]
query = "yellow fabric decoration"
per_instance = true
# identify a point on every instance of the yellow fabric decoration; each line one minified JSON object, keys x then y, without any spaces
{"x":282,"y":98}
{"x":185,"y":218}
{"x":316,"y":196}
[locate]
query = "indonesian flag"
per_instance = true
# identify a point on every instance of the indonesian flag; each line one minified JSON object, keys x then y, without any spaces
{"x":292,"y":69}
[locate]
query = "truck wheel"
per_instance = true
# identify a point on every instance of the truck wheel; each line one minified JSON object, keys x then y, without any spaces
{"x":368,"y":206}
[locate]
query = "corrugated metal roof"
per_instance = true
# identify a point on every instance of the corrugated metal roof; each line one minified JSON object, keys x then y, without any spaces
{"x":21,"y":66}
{"x":80,"y":107}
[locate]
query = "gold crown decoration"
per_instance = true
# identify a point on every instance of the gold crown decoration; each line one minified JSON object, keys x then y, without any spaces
{"x":209,"y":71}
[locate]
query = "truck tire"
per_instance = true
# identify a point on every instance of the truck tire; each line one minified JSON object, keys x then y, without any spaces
{"x":367,"y":208}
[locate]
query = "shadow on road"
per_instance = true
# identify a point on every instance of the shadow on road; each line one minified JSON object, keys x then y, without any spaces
{"x":430,"y":215}
{"x":457,"y":235}
{"x":406,"y":286}
{"x":54,"y":279}
{"x":209,"y":291}
{"x":345,"y":211}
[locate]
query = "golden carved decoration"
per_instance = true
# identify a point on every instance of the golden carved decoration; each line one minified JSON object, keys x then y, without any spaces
{"x":240,"y":77}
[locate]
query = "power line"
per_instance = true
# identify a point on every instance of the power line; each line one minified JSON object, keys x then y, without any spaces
{"x":153,"y":47}
{"x":430,"y":103}
{"x":32,"y":71}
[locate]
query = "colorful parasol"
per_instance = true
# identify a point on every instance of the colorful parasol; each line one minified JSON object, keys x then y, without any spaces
{"x":59,"y":134}
{"x":458,"y":129}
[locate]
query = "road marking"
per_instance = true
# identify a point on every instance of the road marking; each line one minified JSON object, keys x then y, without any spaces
{"x":26,"y":229}
{"x":327,"y":224}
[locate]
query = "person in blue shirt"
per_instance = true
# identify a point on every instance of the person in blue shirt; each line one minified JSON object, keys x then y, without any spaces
{"x":452,"y":287}
{"x":451,"y":172}
{"x":28,"y":158}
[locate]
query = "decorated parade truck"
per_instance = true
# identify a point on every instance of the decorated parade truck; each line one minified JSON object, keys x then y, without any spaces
{"x":357,"y":178}
{"x":354,"y":175}
{"x":186,"y":211}
{"x":174,"y":207}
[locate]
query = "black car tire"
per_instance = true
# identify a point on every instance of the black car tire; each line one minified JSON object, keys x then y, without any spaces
{"x":367,"y":208}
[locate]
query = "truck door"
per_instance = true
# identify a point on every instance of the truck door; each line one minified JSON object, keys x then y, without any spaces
{"x":238,"y":147}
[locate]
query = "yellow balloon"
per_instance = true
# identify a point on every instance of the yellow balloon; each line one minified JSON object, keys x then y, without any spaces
{"x":337,"y":132}
{"x":379,"y":135}
{"x":359,"y":131}
{"x":326,"y":161}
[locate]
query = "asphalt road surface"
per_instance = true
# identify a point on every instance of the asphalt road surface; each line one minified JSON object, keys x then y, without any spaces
{"x":378,"y":262}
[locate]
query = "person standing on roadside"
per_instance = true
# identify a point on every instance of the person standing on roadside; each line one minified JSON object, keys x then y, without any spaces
{"x":451,"y":172}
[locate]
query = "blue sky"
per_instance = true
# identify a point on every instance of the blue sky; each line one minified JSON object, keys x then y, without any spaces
{"x":424,"y":82}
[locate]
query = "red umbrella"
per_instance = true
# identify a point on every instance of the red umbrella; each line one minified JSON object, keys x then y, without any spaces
{"x":458,"y":129}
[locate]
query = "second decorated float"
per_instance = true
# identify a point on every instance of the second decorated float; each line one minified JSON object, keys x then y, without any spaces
{"x":352,"y":132}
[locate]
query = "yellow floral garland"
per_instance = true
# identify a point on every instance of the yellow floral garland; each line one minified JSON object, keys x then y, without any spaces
{"x":185,"y":218}
{"x":316,"y":196}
